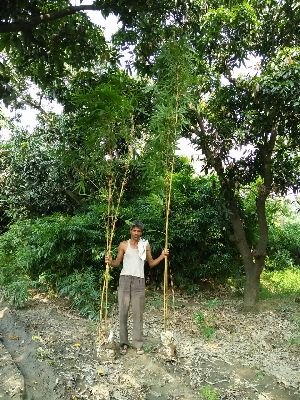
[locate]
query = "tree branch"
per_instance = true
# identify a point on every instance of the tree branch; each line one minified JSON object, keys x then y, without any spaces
{"x":213,"y":160}
{"x":34,"y":104}
{"x":19,"y":26}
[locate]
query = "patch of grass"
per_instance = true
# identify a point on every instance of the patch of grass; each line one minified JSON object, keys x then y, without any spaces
{"x":208,"y":392}
{"x":259,"y":374}
{"x":191,"y":289}
{"x":297,"y":322}
{"x":212,"y":303}
{"x":155,"y":300}
{"x":295,"y":341}
{"x":206,"y":326}
{"x":43,"y":354}
{"x":199,"y":318}
{"x":149,"y":347}
{"x":280,"y":283}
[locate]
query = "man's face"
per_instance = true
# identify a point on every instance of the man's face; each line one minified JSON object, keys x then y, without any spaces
{"x":136,"y":233}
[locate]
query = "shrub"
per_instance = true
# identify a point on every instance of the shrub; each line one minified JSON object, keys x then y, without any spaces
{"x":18,"y":292}
{"x":280,"y":260}
{"x":280,"y":283}
{"x":44,"y":250}
{"x":58,"y":244}
{"x":284,"y":245}
{"x":82,"y":288}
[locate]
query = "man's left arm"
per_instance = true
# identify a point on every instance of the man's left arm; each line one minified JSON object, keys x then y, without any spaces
{"x":153,"y":262}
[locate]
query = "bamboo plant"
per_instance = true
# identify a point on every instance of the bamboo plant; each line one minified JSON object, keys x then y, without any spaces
{"x":173,"y":77}
{"x":107,"y":115}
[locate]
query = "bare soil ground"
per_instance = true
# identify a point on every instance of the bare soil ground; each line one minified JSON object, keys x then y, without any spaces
{"x":48,"y":352}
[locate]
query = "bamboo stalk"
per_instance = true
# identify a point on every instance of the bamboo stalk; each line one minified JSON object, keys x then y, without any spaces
{"x":169,"y":189}
{"x":173,"y":295}
{"x":106,"y":292}
{"x":108,"y":249}
{"x":102,"y":297}
{"x":169,"y":179}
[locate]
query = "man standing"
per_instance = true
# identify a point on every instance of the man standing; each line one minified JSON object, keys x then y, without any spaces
{"x":133,"y":253}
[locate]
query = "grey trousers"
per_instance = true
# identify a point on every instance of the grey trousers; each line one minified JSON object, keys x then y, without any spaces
{"x":131,"y":291}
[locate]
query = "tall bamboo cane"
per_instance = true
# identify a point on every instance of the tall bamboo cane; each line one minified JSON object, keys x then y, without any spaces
{"x":169,"y":180}
{"x":169,"y":189}
{"x":108,"y":234}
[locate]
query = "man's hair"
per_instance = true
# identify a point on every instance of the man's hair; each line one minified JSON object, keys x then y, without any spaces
{"x":137,"y":224}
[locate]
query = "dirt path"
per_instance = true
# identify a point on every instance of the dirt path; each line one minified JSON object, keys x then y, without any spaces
{"x":38,"y":377}
{"x":248,"y":356}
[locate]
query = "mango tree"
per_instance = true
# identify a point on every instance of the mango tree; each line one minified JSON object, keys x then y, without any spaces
{"x":256,"y":115}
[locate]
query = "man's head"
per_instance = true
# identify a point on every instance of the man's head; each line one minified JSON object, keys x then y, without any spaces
{"x":137,"y":224}
{"x":136,"y":230}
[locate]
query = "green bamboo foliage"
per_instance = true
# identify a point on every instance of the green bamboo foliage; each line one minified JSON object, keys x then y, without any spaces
{"x":107,"y":118}
{"x":103,"y":126}
{"x":172,"y":96}
{"x":174,"y":84}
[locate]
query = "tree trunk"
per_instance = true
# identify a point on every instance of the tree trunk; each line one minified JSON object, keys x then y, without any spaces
{"x":253,"y":267}
{"x":252,"y":284}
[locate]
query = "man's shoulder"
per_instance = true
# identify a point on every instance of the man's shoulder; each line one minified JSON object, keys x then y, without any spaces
{"x":123,"y":244}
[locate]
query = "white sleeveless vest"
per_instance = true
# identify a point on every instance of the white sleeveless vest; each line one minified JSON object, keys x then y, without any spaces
{"x":133,"y":264}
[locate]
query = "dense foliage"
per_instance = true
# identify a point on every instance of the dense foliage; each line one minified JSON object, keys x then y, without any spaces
{"x":51,"y":248}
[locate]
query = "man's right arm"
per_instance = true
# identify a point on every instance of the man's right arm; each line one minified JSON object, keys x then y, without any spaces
{"x":117,"y":261}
